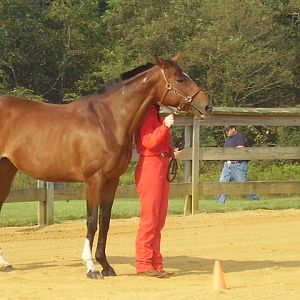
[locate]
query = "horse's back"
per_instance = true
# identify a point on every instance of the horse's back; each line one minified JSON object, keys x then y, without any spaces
{"x":19,"y":105}
{"x":52,"y":142}
{"x":18,"y":115}
{"x":14,"y":109}
{"x":31,"y":131}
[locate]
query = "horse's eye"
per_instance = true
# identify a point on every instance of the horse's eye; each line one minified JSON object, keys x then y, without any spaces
{"x":179,"y":80}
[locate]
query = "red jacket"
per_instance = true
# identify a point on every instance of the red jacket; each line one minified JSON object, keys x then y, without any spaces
{"x":153,"y":137}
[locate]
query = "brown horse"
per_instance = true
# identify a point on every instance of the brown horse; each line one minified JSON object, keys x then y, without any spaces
{"x":90,"y":140}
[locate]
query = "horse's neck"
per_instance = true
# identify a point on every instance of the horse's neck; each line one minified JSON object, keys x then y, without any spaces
{"x":129,"y":104}
{"x":133,"y":107}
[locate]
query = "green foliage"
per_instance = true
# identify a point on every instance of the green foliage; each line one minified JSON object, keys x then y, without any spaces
{"x":23,"y":181}
{"x":24,"y":92}
{"x":128,"y":177}
{"x":82,"y":36}
{"x":236,"y":47}
{"x":276,"y":171}
{"x":48,"y":47}
{"x":247,"y":52}
{"x":26,"y":51}
{"x":288,"y":136}
{"x":241,"y":49}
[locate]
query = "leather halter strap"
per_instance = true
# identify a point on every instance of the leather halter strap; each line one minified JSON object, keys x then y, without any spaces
{"x":187,"y":99}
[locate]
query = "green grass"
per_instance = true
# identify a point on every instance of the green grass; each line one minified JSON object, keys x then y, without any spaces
{"x":25,"y":214}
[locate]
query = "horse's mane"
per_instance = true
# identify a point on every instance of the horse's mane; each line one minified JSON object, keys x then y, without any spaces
{"x":124,"y":76}
{"x":129,"y":74}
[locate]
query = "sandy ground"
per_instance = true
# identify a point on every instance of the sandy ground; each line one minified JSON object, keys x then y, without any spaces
{"x":259,"y":251}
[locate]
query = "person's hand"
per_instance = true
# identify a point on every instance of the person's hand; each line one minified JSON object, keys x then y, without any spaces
{"x":169,"y":120}
{"x":177,"y":152}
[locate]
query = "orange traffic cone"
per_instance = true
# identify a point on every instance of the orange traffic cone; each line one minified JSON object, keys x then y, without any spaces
{"x":219,"y":280}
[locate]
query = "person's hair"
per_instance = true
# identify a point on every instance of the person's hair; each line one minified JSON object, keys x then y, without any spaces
{"x":227,"y":127}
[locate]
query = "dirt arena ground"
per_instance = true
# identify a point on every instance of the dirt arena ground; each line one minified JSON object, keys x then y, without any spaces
{"x":259,"y":251}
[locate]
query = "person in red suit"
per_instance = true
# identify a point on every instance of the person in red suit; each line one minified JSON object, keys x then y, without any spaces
{"x":153,"y":143}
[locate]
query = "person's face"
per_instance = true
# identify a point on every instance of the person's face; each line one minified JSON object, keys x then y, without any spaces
{"x":230,"y":131}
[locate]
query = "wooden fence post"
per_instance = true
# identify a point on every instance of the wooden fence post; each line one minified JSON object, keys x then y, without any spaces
{"x":188,"y":169}
{"x":50,"y":203}
{"x":41,"y":205}
{"x":46,"y":207}
{"x":195,"y":165}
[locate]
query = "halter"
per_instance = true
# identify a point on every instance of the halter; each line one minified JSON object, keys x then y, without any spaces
{"x":188,"y":99}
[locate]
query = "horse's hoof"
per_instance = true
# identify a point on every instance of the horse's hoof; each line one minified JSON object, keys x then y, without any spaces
{"x":109,"y":272}
{"x":7,"y":268}
{"x":94,"y":275}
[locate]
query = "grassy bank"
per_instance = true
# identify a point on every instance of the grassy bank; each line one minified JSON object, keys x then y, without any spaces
{"x":25,"y":214}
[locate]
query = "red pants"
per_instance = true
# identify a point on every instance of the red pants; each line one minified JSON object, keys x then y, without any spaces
{"x":153,"y":189}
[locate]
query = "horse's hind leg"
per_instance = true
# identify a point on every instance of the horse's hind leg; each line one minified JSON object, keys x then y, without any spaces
{"x":7,"y":174}
{"x":107,"y":199}
{"x":93,"y":187}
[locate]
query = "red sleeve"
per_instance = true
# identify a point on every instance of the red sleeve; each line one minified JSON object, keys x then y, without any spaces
{"x":152,"y":137}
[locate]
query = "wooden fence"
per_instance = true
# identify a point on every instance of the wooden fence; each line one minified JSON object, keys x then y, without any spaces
{"x":192,"y":189}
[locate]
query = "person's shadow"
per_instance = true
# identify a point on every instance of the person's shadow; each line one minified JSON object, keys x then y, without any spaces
{"x":188,"y":265}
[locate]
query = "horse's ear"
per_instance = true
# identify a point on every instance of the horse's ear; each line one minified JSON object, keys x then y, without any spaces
{"x":176,"y":57}
{"x":160,"y":61}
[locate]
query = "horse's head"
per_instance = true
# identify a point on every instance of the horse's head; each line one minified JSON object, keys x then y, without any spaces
{"x":181,"y":91}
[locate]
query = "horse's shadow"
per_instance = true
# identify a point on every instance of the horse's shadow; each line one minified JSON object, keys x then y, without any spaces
{"x":29,"y":266}
{"x":30,"y":229}
{"x":182,"y":265}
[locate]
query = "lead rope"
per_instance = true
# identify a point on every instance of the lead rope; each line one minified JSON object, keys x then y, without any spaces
{"x":173,"y":165}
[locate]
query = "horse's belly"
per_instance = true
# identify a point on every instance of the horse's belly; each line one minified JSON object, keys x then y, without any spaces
{"x":51,"y":167}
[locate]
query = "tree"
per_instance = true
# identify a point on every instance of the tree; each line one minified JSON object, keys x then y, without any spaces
{"x":27,"y":58}
{"x":50,"y":47}
{"x":235,"y":47}
{"x":247,"y":53}
{"x":243,"y":54}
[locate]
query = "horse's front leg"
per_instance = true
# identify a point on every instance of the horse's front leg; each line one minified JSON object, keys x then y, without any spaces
{"x":93,"y":188}
{"x":7,"y":173}
{"x":107,"y":199}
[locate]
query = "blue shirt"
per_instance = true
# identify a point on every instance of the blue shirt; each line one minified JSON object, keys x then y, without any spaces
{"x":236,"y":140}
